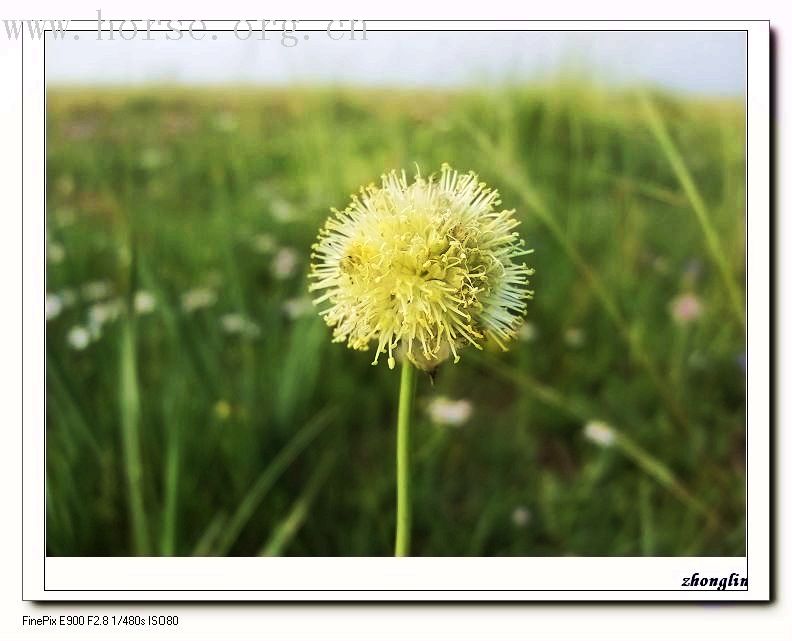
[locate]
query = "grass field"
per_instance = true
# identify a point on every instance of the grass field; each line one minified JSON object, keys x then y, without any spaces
{"x":195,"y":403}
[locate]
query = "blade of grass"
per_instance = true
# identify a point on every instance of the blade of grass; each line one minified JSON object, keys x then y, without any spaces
{"x":657,"y":470}
{"x":685,"y":179}
{"x":485,"y":524}
{"x":285,"y":531}
{"x":129,"y":403}
{"x":579,"y":410}
{"x":299,"y":368}
{"x":268,"y":477}
{"x":543,"y":393}
{"x":205,"y":544}
{"x":647,"y":518}
{"x":532,"y":200}
{"x":643,"y":188}
{"x":173,"y":398}
{"x":68,"y":408}
{"x":171,"y":490}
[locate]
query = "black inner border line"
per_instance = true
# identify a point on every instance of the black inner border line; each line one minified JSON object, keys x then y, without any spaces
{"x":22,"y":346}
{"x":45,"y":38}
{"x":745,"y":301}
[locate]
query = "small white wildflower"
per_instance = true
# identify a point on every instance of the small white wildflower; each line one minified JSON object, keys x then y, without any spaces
{"x":103,"y":313}
{"x":263,"y":243}
{"x":152,"y":159}
{"x":81,"y":129}
{"x":445,"y":411}
{"x":284,"y":263}
{"x":144,"y":302}
{"x":600,"y":433}
{"x":521,"y":516}
{"x":79,"y":337}
{"x":527,"y":332}
{"x":65,"y":185}
{"x":124,"y":256}
{"x":282,"y":211}
{"x":55,"y":253}
{"x":574,"y":337}
{"x":222,"y":409}
{"x":239,"y":324}
{"x":53,"y":305}
{"x":297,"y":307}
{"x":225,"y":121}
{"x":660,"y":264}
{"x":198,"y":298}
{"x":64,"y":216}
{"x":233,"y":323}
{"x":68,"y":297}
{"x":95,"y":331}
{"x":698,"y":359}
{"x":686,"y":308}
{"x":96,"y":290}
{"x":214,"y":278}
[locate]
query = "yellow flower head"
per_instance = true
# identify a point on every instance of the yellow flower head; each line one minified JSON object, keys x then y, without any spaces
{"x":422,"y":268}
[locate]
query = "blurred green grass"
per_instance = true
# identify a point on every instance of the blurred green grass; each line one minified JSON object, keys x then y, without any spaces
{"x":195,"y":404}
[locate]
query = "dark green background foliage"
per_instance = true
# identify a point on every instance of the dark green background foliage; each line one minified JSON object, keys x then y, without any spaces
{"x":170,"y":433}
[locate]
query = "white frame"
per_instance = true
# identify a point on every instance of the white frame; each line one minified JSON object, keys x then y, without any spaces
{"x":409,"y":579}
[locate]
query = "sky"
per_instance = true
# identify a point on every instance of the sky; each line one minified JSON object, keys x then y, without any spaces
{"x":708,"y":63}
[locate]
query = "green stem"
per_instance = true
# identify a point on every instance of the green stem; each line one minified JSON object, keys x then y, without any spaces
{"x":403,"y":459}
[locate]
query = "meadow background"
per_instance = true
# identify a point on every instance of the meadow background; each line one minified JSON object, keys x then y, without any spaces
{"x":195,"y":403}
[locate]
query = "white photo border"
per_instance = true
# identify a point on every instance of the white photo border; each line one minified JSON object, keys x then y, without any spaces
{"x":408,"y":579}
